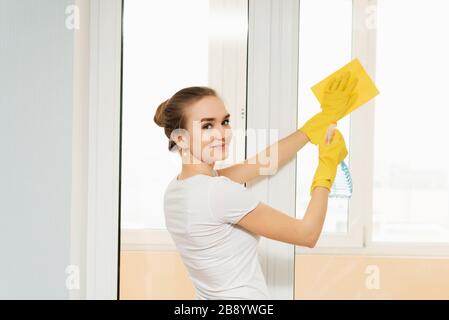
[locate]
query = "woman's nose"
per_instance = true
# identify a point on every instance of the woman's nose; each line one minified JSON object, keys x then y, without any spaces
{"x":227,"y":135}
{"x":221,"y":133}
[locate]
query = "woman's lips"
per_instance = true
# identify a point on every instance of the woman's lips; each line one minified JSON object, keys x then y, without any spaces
{"x":219,"y":146}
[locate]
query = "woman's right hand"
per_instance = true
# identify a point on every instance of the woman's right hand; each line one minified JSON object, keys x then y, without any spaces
{"x":330,"y":155}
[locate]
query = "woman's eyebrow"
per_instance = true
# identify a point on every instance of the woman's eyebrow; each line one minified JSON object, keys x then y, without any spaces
{"x":213,"y":119}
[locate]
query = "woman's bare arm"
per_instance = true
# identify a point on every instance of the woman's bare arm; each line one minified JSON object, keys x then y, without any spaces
{"x":274,"y":224}
{"x":253,"y":167}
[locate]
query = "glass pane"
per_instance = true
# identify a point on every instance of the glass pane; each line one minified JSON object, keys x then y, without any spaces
{"x":164,"y":51}
{"x":325,"y":37}
{"x":411,"y":191}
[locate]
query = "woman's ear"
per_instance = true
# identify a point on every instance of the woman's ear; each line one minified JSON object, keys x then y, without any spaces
{"x":181,"y":138}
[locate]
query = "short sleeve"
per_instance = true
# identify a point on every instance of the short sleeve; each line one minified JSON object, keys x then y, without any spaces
{"x":230,"y":201}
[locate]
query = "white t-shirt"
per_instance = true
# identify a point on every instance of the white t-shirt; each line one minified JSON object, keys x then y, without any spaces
{"x":221,"y":257}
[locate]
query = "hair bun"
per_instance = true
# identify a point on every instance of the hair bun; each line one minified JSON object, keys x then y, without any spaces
{"x":159,"y":117}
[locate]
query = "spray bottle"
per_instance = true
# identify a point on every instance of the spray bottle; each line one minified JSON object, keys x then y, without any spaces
{"x":342,"y":186}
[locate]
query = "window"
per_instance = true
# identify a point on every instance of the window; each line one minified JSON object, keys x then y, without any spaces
{"x":169,"y":45}
{"x":155,"y":65}
{"x":401,"y":133}
{"x":325,"y":37}
{"x":411,"y":151}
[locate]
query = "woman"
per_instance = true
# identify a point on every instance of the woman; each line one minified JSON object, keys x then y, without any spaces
{"x":214,"y":221}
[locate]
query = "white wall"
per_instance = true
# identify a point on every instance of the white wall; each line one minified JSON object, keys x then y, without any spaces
{"x":36,"y":62}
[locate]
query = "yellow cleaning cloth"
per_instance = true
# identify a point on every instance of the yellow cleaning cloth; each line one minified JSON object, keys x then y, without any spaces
{"x":366,"y":89}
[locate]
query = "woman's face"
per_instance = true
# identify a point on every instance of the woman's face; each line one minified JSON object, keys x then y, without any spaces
{"x":209,"y":132}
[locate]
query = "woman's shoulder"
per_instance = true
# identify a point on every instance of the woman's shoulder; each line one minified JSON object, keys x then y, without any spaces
{"x":199,"y":181}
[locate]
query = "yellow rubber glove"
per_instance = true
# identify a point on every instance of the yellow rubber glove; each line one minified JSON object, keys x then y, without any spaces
{"x":338,"y":98}
{"x":330,"y":155}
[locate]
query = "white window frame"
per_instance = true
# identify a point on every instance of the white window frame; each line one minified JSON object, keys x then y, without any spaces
{"x":363,"y":42}
{"x":104,"y":149}
{"x":361,"y":217}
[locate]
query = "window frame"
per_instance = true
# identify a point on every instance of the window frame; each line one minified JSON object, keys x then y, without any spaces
{"x":363,"y":41}
{"x":103,"y":189}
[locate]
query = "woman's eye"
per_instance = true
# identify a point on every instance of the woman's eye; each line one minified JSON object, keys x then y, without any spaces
{"x":206,"y":126}
{"x":226,"y":122}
